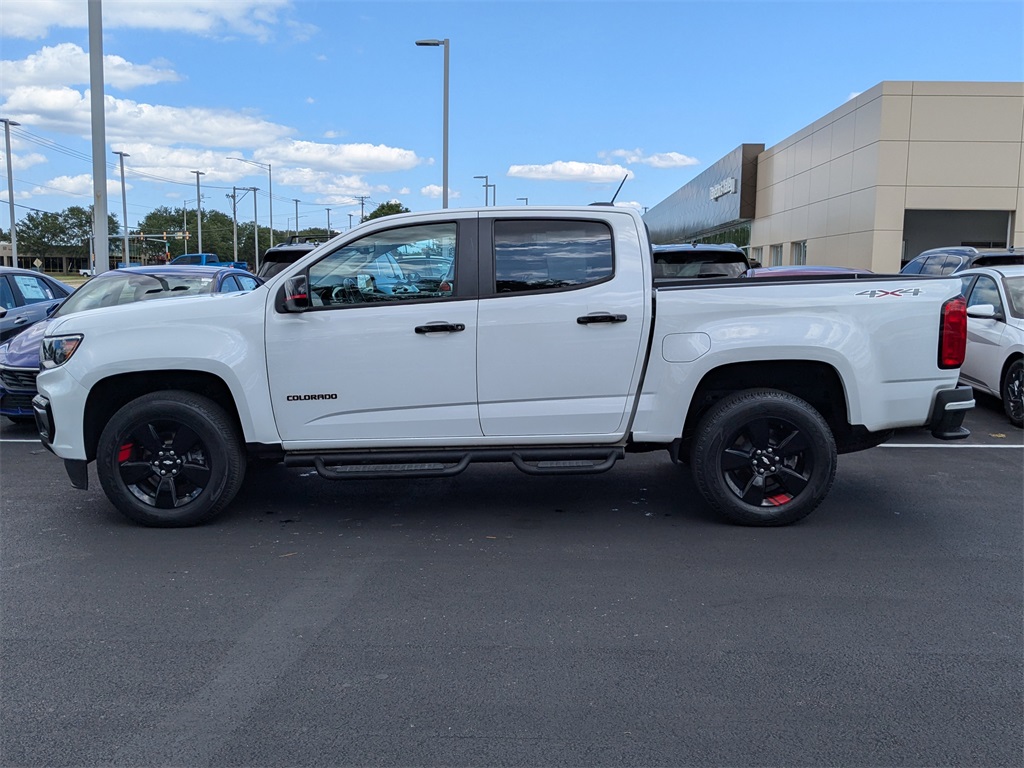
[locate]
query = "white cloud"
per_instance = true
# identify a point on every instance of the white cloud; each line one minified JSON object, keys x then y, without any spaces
{"x":571,"y":171}
{"x":67,"y":64}
{"x":32,"y":19}
{"x":659,"y":160}
{"x":343,"y":158}
{"x":68,"y":111}
{"x":432,"y":191}
{"x":77,"y":186}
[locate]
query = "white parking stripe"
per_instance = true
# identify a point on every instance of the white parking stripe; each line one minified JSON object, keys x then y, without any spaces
{"x":942,"y":445}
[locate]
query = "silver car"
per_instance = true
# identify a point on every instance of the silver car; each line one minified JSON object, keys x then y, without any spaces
{"x":995,"y":335}
{"x":25,"y":298}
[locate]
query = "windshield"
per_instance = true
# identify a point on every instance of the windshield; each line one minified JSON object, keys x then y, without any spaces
{"x":125,"y":288}
{"x":1015,"y":295}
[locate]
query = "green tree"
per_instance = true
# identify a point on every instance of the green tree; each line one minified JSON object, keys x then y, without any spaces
{"x":387,"y":209}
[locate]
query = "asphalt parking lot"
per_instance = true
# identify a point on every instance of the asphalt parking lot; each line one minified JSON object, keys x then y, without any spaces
{"x":499,"y":619}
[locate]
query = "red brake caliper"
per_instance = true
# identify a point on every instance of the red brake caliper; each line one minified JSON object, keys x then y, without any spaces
{"x":125,"y":453}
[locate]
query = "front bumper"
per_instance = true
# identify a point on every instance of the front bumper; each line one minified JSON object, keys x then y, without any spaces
{"x":948,"y":411}
{"x":17,"y":388}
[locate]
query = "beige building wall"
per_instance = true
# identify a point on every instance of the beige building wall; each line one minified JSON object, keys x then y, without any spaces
{"x":843,"y":183}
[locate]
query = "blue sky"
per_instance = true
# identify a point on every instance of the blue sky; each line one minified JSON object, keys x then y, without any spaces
{"x":553,"y":101}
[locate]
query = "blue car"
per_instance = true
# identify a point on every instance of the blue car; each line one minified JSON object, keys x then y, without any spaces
{"x":19,"y":357}
{"x":26,"y":297}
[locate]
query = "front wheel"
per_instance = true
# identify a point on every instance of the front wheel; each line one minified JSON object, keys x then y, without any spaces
{"x":763,"y":457}
{"x":170,"y":459}
{"x":1013,"y":393}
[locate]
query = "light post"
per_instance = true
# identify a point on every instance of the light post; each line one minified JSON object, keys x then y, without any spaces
{"x":486,"y":187}
{"x":296,"y":216}
{"x":256,"y":232}
{"x":199,"y":212}
{"x":10,"y":189}
{"x":526,"y":200}
{"x":124,"y":210}
{"x":444,"y":155}
{"x":270,"y":189}
{"x":328,"y":223}
{"x":494,"y":193}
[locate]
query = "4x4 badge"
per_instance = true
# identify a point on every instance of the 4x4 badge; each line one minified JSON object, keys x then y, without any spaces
{"x":876,"y":293}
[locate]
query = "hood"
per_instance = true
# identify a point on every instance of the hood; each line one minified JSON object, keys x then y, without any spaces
{"x":23,"y":349}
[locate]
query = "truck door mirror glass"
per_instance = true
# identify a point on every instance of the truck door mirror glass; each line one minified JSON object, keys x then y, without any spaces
{"x":296,"y":294}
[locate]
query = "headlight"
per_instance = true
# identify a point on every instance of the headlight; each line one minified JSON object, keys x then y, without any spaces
{"x":57,"y":350}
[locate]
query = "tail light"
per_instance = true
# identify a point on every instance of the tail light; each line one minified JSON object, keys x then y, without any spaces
{"x":953,"y":333}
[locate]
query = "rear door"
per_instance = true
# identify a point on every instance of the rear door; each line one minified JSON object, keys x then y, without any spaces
{"x":563,"y":320}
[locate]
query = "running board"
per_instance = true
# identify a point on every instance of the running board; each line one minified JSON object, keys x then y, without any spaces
{"x":344,"y":465}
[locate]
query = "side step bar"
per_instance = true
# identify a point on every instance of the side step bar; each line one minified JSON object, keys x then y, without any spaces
{"x":344,"y":465}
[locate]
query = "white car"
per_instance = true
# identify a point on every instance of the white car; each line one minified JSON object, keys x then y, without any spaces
{"x":995,"y":335}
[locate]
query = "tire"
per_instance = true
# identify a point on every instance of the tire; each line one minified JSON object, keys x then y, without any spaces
{"x":763,"y":457}
{"x":170,"y":459}
{"x":1012,"y":391}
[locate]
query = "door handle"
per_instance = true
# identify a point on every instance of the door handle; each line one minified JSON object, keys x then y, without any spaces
{"x":440,"y":328}
{"x":604,"y":317}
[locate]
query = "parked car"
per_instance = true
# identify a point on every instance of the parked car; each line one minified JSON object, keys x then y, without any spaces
{"x":799,"y":270}
{"x":955,"y":259}
{"x":19,"y":357}
{"x":198,"y":260}
{"x":702,"y":260}
{"x":994,"y":362}
{"x":281,"y":255}
{"x":25,"y":299}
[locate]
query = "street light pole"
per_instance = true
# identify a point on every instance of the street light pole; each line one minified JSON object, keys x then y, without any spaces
{"x":256,"y":232}
{"x":296,"y":216}
{"x":444,"y":150}
{"x":486,"y":186}
{"x":124,"y":210}
{"x":328,"y":223}
{"x":199,"y":211}
{"x":10,"y":189}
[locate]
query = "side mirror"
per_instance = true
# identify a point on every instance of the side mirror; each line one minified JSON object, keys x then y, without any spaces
{"x":984,"y":312}
{"x":294,"y":296}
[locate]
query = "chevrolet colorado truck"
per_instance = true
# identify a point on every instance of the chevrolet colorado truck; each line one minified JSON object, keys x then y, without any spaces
{"x":546,"y":344}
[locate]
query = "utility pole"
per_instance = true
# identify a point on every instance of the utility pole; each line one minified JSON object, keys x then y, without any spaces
{"x":234,"y":221}
{"x":199,"y":211}
{"x":10,"y":189}
{"x":362,"y":207}
{"x":99,"y":138}
{"x":296,"y":216}
{"x":256,"y":233}
{"x":328,"y":223}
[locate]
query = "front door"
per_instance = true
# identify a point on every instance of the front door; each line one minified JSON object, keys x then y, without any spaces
{"x":383,"y":357}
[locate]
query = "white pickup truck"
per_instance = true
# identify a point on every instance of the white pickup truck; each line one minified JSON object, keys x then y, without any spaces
{"x":417,"y":344}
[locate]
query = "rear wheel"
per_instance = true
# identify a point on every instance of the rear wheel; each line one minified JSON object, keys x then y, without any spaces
{"x":763,"y":457}
{"x":1013,"y":393}
{"x":170,"y":459}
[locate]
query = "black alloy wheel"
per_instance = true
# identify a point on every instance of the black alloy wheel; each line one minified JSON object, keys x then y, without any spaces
{"x":763,"y":457}
{"x":170,"y":459}
{"x":1013,"y":393}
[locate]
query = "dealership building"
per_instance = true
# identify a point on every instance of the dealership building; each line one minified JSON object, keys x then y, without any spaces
{"x":900,"y":168}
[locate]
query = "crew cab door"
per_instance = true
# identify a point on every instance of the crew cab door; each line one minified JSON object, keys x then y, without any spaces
{"x":563,"y":323}
{"x":380,"y":358}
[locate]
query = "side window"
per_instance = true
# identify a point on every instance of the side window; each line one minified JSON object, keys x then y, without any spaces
{"x":536,"y":255}
{"x":247,"y":283}
{"x":985,"y":292}
{"x":366,"y":272}
{"x":6,"y":294}
{"x":913,"y":267}
{"x":33,"y":289}
{"x":230,"y":285}
{"x":933,"y":265}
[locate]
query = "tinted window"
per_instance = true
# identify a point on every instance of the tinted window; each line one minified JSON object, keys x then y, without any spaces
{"x":365,"y":271}
{"x":6,"y":294}
{"x":985,"y":292}
{"x":913,"y":267}
{"x":247,"y":283}
{"x":933,"y":265}
{"x":230,"y":285}
{"x":550,"y":255}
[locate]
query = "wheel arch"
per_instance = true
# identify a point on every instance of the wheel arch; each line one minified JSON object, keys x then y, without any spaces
{"x":816,"y":382}
{"x":108,"y":395}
